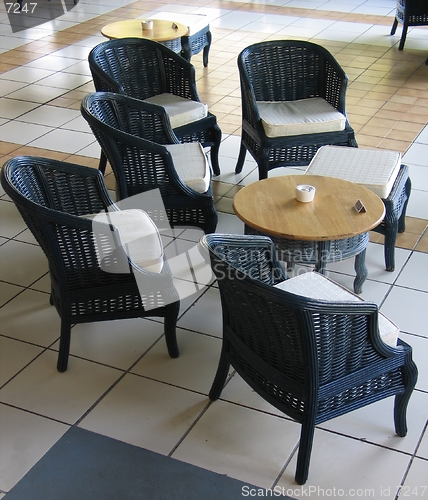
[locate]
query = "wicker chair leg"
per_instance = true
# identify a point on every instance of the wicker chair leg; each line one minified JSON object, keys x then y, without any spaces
{"x":263,"y":164}
{"x":410,"y":373}
{"x":402,"y":218}
{"x":64,"y":345}
{"x":304,"y":454}
{"x":170,"y":325}
{"x":207,"y":49}
{"x":220,"y":376}
{"x":215,"y":150}
{"x":391,"y":229}
{"x":394,"y":26}
{"x":241,"y":159}
{"x":103,"y":163}
{"x":403,"y":36}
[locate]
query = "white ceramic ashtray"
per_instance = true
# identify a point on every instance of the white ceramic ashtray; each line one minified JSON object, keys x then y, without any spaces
{"x":305,"y":193}
{"x":147,"y":24}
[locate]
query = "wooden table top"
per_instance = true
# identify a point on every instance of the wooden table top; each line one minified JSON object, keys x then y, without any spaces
{"x":132,"y":28}
{"x":270,"y":206}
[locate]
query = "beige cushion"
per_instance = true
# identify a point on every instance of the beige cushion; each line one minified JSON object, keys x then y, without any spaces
{"x":306,"y":116}
{"x":139,"y":236}
{"x":191,"y":165}
{"x":316,"y":286}
{"x":194,"y":22}
{"x":181,"y":111}
{"x":376,"y":169}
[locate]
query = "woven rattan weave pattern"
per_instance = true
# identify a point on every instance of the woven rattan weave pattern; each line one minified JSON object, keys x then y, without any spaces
{"x":286,"y":70}
{"x":313,"y":360}
{"x":141,"y":69}
{"x":51,"y":197}
{"x":132,"y":135}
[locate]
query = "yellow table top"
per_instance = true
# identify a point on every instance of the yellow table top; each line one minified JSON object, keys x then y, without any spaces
{"x":270,"y":206}
{"x":162,"y":31}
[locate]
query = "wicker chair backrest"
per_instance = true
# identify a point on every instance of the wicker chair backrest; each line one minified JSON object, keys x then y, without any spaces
{"x":285,"y":70}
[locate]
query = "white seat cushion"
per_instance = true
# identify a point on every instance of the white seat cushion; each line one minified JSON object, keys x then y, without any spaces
{"x":194,"y":22}
{"x":191,"y":165}
{"x":139,"y":237}
{"x":306,"y":116}
{"x":316,"y":286}
{"x":376,"y":169}
{"x":181,"y":111}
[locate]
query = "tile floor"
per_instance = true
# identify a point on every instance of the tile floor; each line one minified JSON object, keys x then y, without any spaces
{"x":120,"y":381}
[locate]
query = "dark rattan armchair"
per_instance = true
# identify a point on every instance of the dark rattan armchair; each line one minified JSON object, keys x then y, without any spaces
{"x":133,"y":135}
{"x":52,"y":197}
{"x":284,"y":71}
{"x":312,"y":359}
{"x":409,"y":13}
{"x":143,"y":69}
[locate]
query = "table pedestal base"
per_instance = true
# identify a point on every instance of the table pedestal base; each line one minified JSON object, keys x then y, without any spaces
{"x":320,"y":253}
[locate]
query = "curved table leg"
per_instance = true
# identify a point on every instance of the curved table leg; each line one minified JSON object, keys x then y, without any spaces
{"x":360,"y":270}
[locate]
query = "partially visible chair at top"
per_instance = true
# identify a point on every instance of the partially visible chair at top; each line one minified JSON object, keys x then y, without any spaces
{"x":380,"y":171}
{"x":306,"y":345}
{"x":199,"y":36}
{"x":151,"y":72}
{"x":293,"y":102}
{"x":145,"y":154}
{"x":409,"y":13}
{"x":84,"y":235}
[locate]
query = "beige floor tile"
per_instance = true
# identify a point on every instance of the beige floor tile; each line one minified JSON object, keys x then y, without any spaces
{"x":24,"y":439}
{"x":342,"y":464}
{"x":145,"y":413}
{"x":30,"y":317}
{"x":245,"y":444}
{"x":41,"y":389}
{"x":194,"y":369}
{"x":118,"y":343}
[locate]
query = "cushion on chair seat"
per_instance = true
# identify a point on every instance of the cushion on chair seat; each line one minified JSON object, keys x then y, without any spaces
{"x":375,"y":169}
{"x":181,"y":111}
{"x":194,"y":22}
{"x":139,"y":236}
{"x":317,"y":286}
{"x":305,"y":116}
{"x":191,"y":165}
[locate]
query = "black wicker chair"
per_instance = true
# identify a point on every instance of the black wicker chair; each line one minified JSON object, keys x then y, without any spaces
{"x":312,"y":359}
{"x":409,"y":13}
{"x":286,"y":70}
{"x":51,"y":197}
{"x":142,"y":69}
{"x":133,"y":134}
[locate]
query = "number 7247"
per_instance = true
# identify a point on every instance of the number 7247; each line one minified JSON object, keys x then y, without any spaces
{"x":17,"y":8}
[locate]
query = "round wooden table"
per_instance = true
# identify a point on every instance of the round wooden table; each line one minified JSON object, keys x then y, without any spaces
{"x":328,"y":229}
{"x":163,"y":31}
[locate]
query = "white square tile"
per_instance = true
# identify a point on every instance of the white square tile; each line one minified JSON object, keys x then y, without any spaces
{"x":12,"y":223}
{"x":117,"y":343}
{"x":339,"y":463}
{"x":415,"y":273}
{"x":419,"y":345}
{"x":51,"y":116}
{"x":14,"y":356}
{"x":145,"y":413}
{"x":26,"y":74}
{"x":403,"y":307}
{"x":205,"y":315}
{"x":38,"y":93}
{"x":25,"y":262}
{"x":194,"y":369}
{"x":41,"y":389}
{"x":245,"y":444}
{"x":24,"y":439}
{"x":67,"y":141}
{"x":423,"y":448}
{"x":64,"y":80}
{"x":8,"y":291}
{"x":417,"y":154}
{"x":22,"y":133}
{"x":415,"y":484}
{"x":12,"y":108}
